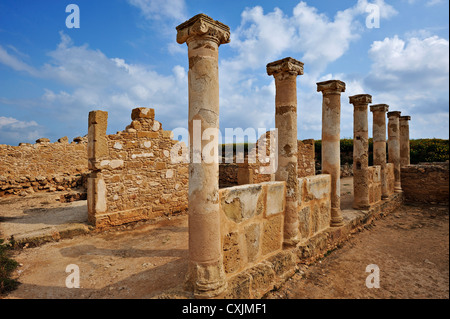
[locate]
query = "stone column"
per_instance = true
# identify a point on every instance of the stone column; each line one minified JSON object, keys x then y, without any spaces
{"x":360,"y":150}
{"x":379,"y":143}
{"x":203,"y":37}
{"x":97,"y":149}
{"x":394,"y":146}
{"x":404,"y":140}
{"x":285,"y":72}
{"x":331,"y":161}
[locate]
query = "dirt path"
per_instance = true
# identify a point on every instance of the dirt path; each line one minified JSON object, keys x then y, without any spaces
{"x":410,"y":247}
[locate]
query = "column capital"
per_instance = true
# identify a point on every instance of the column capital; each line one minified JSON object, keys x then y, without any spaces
{"x":360,"y":99}
{"x":286,"y":65}
{"x":405,"y":118}
{"x":203,"y":26}
{"x":394,"y":114}
{"x":379,"y":108}
{"x":331,"y":87}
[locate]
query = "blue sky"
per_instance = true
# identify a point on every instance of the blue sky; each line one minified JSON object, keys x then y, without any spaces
{"x":124,"y":55}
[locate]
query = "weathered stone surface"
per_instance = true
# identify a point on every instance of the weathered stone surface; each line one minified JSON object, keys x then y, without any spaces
{"x":275,"y":193}
{"x":272,"y":234}
{"x":331,"y":111}
{"x":141,"y":113}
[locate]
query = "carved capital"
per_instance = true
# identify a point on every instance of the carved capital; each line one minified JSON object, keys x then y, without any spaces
{"x":331,"y":87}
{"x":394,"y":114}
{"x":379,"y":108}
{"x":405,"y":118}
{"x":286,"y":66}
{"x":202,"y":26}
{"x":360,"y":99}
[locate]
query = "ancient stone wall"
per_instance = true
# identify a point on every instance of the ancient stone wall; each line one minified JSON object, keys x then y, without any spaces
{"x":135,"y":179}
{"x":426,"y":183}
{"x":43,"y":166}
{"x":314,"y":204}
{"x":251,"y":224}
{"x":231,"y":174}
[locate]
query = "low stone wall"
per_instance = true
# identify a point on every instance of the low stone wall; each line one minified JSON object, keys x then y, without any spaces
{"x":262,"y":277}
{"x":426,"y":183}
{"x":231,"y":174}
{"x":314,"y":204}
{"x":133,"y":177}
{"x":43,"y":166}
{"x":251,"y":224}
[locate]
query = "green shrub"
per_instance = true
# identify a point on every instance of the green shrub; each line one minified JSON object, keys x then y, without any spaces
{"x":429,"y":150}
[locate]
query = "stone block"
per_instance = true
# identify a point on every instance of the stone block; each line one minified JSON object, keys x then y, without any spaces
{"x":276,"y":201}
{"x":242,"y":202}
{"x":231,"y":252}
{"x":252,"y":238}
{"x":272,"y":234}
{"x":142,"y":113}
{"x":263,"y":278}
{"x":317,"y":187}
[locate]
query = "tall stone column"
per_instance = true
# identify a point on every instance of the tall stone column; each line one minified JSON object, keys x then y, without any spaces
{"x":285,"y":72}
{"x":331,"y":161}
{"x":394,"y":146}
{"x":379,"y":143}
{"x":203,"y":36}
{"x":97,"y":150}
{"x":404,"y":140}
{"x":360,"y":150}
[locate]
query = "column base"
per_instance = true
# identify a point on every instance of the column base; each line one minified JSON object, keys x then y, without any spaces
{"x":337,"y":222}
{"x":398,"y":190}
{"x":291,"y":242}
{"x":206,"y":280}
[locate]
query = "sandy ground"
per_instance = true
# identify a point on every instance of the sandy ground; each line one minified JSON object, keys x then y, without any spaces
{"x":410,"y":248}
{"x":142,"y":260}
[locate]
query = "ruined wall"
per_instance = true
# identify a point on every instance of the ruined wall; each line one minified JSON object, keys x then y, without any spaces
{"x":43,"y":166}
{"x":374,"y":184}
{"x":314,"y":204}
{"x":426,"y":183}
{"x":251,"y":173}
{"x":134,"y":178}
{"x":251,"y":223}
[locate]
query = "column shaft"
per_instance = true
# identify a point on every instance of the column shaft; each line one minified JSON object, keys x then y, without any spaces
{"x":404,"y":141}
{"x":394,"y":147}
{"x":360,"y":151}
{"x":203,"y":37}
{"x":331,"y":161}
{"x":285,"y":72}
{"x":379,"y":143}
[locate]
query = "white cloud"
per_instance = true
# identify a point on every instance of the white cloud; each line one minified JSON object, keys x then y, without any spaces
{"x":14,"y":62}
{"x":93,"y":81}
{"x":17,"y":131}
{"x":415,"y":64}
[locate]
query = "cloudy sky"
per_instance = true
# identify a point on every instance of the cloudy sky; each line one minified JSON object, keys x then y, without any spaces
{"x":124,"y":55}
